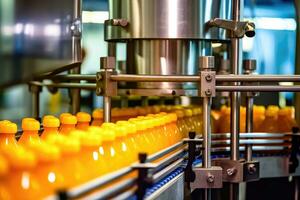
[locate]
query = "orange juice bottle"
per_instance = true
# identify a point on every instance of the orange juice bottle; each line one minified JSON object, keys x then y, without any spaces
{"x":4,"y":170}
{"x":286,"y":119}
{"x":30,"y":133}
{"x":97,"y":117}
{"x":175,"y":130}
{"x":121,"y":145}
{"x":188,"y":113}
{"x":152,"y":135}
{"x":270,"y":125}
{"x":112,"y":160}
{"x":50,"y":124}
{"x":7,"y":135}
{"x":90,"y":156}
{"x":183,"y":129}
{"x":130,"y":139}
{"x":22,"y":183}
{"x":117,"y":145}
{"x":141,"y":139}
{"x":68,"y":123}
{"x":242,"y":119}
{"x":224,"y":125}
{"x":70,"y":149}
{"x":83,"y":120}
{"x":258,"y":117}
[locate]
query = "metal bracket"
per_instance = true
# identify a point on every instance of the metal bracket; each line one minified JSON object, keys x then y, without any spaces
{"x":238,"y":29}
{"x":207,"y":178}
{"x":207,"y":87}
{"x":105,"y":86}
{"x":238,"y":171}
{"x":249,"y":67}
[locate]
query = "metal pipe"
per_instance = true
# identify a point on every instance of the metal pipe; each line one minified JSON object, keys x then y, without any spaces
{"x":84,"y":86}
{"x":265,"y":88}
{"x":76,"y":53}
{"x":206,"y":132}
{"x":235,"y":101}
{"x":249,"y":125}
{"x":107,"y":108}
{"x":219,"y":78}
{"x":258,"y":78}
{"x":72,"y":77}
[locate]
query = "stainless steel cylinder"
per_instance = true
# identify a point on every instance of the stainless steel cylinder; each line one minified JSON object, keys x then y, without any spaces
{"x":163,"y":57}
{"x":165,"y":19}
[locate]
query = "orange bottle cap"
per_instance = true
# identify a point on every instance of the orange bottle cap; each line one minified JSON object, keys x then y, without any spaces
{"x":108,"y":135}
{"x":50,"y":121}
{"x":188,"y":113}
{"x":83,"y":117}
{"x":62,"y":115}
{"x":108,"y":125}
{"x":30,"y":124}
{"x":98,"y":113}
{"x":121,"y":131}
{"x":8,"y":127}
{"x":68,"y":119}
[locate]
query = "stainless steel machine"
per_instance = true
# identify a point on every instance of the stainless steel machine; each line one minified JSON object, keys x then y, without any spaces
{"x":169,"y":53}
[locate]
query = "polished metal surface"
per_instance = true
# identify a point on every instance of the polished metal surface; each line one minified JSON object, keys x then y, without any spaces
{"x":36,"y":37}
{"x":162,"y":57}
{"x":107,"y":108}
{"x":166,"y":19}
{"x":174,"y":190}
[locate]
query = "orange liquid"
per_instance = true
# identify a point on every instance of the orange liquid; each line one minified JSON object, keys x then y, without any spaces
{"x":50,"y":177}
{"x":111,"y":159}
{"x":7,"y":141}
{"x":49,"y":131}
{"x":83,"y":126}
{"x":28,"y":137}
{"x":123,"y":151}
{"x":22,"y":184}
{"x":97,"y":122}
{"x":65,"y":129}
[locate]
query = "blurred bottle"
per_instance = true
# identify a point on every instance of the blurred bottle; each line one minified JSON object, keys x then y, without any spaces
{"x":258,"y":117}
{"x":188,"y":114}
{"x":68,"y":123}
{"x":286,"y":119}
{"x":70,"y":151}
{"x":83,"y":120}
{"x":47,"y":170}
{"x":269,"y":125}
{"x":183,"y":129}
{"x":22,"y":182}
{"x":50,"y":125}
{"x":7,"y":135}
{"x":90,"y":157}
{"x":30,"y":133}
{"x":4,"y":176}
{"x":97,"y":117}
{"x":130,"y":139}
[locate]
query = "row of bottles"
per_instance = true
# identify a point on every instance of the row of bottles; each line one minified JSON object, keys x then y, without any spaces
{"x":70,"y":151}
{"x":270,"y":120}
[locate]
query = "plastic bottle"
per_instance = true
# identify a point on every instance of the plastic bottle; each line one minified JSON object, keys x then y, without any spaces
{"x":108,"y":151}
{"x":181,"y":124}
{"x":47,"y":169}
{"x":286,"y":119}
{"x":130,"y":139}
{"x":50,"y":124}
{"x":121,"y":145}
{"x":142,"y":141}
{"x":4,"y":169}
{"x":7,"y":135}
{"x":270,"y":125}
{"x":242,"y":119}
{"x":83,"y":120}
{"x":258,"y":117}
{"x":224,"y":125}
{"x":188,"y":114}
{"x":90,"y":155}
{"x":22,"y":182}
{"x":30,"y":133}
{"x":97,"y":117}
{"x":68,"y":123}
{"x":70,"y":150}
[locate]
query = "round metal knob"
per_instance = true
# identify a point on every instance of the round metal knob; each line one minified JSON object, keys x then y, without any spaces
{"x":249,"y":65}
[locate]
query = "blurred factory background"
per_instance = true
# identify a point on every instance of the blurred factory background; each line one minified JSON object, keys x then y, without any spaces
{"x":273,"y":47}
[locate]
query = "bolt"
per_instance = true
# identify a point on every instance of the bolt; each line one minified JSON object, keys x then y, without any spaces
{"x":251,"y":168}
{"x":210,"y":178}
{"x":98,"y":77}
{"x":208,"y":92}
{"x":208,"y":78}
{"x":98,"y":91}
{"x":231,"y":171}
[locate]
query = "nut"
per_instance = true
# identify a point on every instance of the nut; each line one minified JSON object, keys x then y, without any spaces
{"x":208,"y":78}
{"x":210,"y":178}
{"x":230,"y":171}
{"x":208,"y":92}
{"x":251,"y":169}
